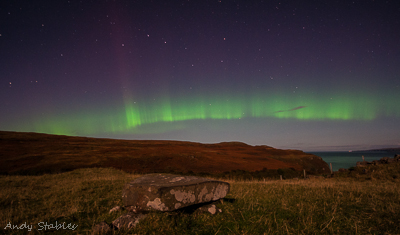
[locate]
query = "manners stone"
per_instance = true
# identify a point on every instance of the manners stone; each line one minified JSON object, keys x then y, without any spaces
{"x":166,"y":192}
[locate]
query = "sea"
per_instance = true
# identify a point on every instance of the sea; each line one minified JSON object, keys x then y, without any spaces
{"x":349,"y":159}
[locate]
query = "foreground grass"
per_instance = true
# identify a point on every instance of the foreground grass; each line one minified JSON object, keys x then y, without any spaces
{"x":319,"y":206}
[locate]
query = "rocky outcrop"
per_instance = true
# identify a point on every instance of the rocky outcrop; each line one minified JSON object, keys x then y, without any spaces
{"x":384,"y":160}
{"x":363,"y":163}
{"x":165,"y":192}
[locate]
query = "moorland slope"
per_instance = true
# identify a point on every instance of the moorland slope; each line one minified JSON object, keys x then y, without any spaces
{"x":34,"y":153}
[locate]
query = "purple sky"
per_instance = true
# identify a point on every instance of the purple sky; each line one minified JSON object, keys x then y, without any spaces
{"x":310,"y":75}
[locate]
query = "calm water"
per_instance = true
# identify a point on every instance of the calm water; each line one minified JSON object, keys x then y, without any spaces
{"x":349,"y":159}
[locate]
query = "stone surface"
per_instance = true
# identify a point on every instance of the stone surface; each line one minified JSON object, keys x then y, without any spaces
{"x":166,"y":192}
{"x":101,"y":228}
{"x":128,"y":221}
{"x":209,"y":208}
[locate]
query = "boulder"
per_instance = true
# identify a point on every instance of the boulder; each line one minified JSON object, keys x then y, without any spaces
{"x":166,"y":192}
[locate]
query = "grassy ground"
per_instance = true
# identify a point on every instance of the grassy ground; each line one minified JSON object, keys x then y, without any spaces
{"x":343,"y":205}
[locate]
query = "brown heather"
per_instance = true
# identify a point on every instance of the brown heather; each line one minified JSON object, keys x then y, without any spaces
{"x":34,"y":154}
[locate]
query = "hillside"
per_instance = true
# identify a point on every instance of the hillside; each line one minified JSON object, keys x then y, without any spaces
{"x":33,"y":153}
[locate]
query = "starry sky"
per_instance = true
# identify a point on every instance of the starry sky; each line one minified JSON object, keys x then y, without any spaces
{"x":309,"y":75}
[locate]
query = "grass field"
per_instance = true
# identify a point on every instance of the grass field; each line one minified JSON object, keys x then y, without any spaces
{"x":340,"y":205}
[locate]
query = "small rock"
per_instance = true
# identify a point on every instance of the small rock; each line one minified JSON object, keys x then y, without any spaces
{"x":210,"y":208}
{"x":117,"y":208}
{"x":101,"y":228}
{"x":128,"y":220}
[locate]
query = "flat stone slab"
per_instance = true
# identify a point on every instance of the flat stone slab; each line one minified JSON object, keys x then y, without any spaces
{"x":166,"y":192}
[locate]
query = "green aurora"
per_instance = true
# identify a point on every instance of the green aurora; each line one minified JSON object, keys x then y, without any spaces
{"x":134,"y":114}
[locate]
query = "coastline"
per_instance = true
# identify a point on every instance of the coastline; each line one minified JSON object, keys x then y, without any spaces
{"x":345,"y":159}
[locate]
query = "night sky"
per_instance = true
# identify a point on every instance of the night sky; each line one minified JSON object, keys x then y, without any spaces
{"x":309,"y":75}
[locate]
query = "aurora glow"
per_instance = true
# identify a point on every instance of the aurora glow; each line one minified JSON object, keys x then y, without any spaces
{"x":303,"y":107}
{"x":311,"y":75}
